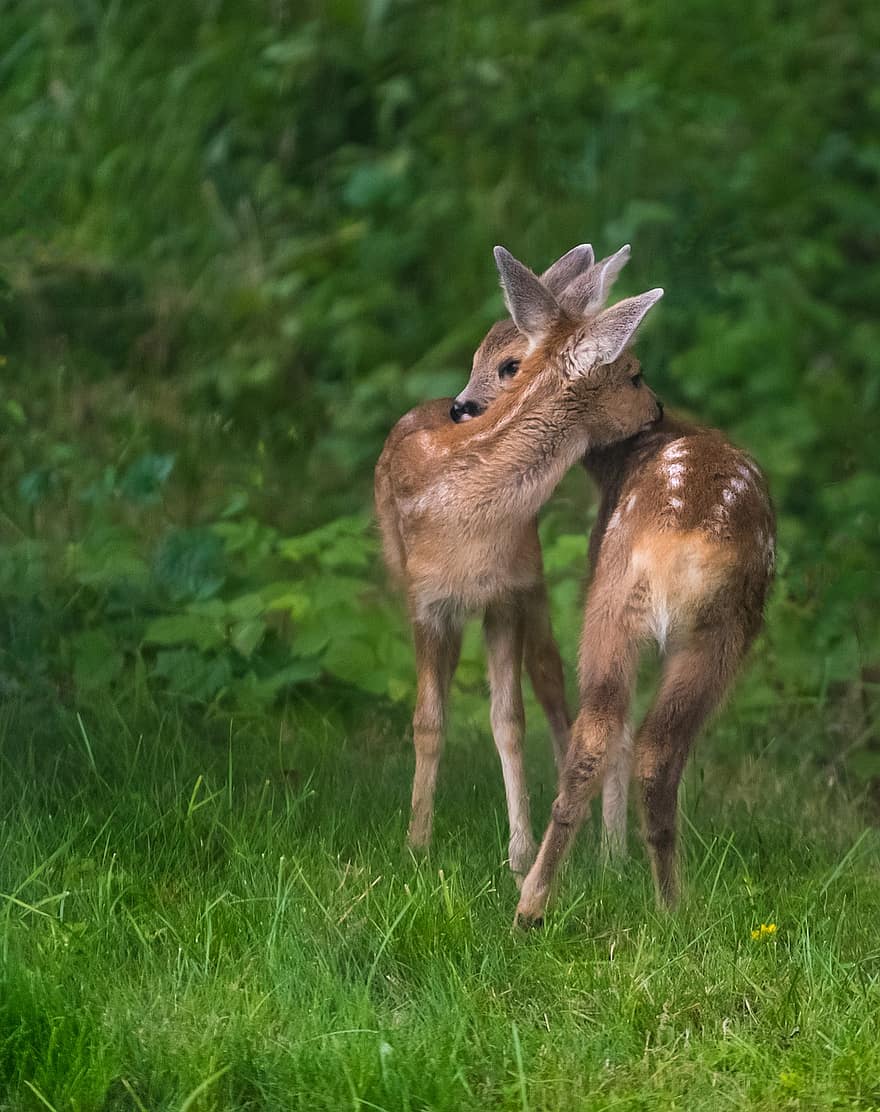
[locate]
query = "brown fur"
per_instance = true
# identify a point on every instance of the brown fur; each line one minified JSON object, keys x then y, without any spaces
{"x":695,"y":572}
{"x":683,"y":555}
{"x":456,"y":505}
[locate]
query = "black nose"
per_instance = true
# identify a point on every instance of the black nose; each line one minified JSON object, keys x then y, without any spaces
{"x":464,"y":409}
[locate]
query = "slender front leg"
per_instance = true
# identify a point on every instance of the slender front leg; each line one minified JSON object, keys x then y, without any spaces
{"x":544,"y":666}
{"x":437,"y":649}
{"x":503,"y":628}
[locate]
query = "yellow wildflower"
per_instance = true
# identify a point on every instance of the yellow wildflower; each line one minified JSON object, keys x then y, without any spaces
{"x":764,"y":931}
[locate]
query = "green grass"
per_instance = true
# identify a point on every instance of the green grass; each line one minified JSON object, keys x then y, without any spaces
{"x":202,"y":914}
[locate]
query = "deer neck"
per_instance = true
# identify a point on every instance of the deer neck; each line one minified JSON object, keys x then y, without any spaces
{"x":616,"y":467}
{"x":519,"y":458}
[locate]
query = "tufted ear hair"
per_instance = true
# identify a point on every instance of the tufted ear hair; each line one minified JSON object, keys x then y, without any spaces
{"x":532,"y":306}
{"x":568,"y":267}
{"x":610,"y":332}
{"x":589,"y":291}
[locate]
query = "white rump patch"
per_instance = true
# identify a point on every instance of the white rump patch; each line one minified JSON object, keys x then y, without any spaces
{"x":659,"y":619}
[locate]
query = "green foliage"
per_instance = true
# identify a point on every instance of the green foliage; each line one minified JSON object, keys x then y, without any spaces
{"x":239,"y":240}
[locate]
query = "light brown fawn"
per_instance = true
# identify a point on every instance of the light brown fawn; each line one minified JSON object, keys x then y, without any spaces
{"x":456,"y":505}
{"x":682,"y":554}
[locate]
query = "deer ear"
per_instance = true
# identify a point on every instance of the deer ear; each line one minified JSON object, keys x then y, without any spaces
{"x":566,"y":268}
{"x":612,"y":330}
{"x":589,"y":291}
{"x":533,"y":307}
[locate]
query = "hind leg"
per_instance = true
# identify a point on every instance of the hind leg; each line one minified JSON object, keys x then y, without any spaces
{"x":607,"y":675}
{"x":695,"y":678}
{"x":615,"y":796}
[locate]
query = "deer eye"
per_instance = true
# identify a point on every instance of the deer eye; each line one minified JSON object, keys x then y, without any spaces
{"x":637,"y":380}
{"x":508,"y":368}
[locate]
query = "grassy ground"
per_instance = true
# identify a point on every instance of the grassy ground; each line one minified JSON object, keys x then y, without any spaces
{"x":212,"y":915}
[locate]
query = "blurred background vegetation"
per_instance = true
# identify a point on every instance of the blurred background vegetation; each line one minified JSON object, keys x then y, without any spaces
{"x":239,"y":240}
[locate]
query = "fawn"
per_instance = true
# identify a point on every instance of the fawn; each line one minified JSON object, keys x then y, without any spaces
{"x":457,"y":502}
{"x":683,"y":553}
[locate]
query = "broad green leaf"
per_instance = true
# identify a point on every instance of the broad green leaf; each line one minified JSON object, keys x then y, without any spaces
{"x":245,"y":636}
{"x":189,"y":564}
{"x":97,"y":659}
{"x":180,"y":629}
{"x":145,"y":477}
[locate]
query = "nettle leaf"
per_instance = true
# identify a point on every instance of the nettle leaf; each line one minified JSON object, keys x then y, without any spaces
{"x":181,"y":629}
{"x":190,"y":564}
{"x":245,"y":636}
{"x":249,"y":536}
{"x":97,"y":659}
{"x":144,"y":479}
{"x":214,"y":608}
{"x":246,"y":606}
{"x":36,"y":485}
{"x":261,"y":690}
{"x":108,"y":557}
{"x":342,"y":541}
{"x":190,"y":673}
{"x":351,"y":659}
{"x":288,"y":596}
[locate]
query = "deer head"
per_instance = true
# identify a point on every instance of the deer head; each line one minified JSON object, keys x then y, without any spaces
{"x":579,"y":355}
{"x":579,"y":283}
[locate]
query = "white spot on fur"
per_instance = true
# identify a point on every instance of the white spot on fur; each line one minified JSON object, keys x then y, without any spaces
{"x":630,"y":502}
{"x":728,"y":496}
{"x":739,"y":486}
{"x":675,"y":450}
{"x":674,"y":474}
{"x":676,"y":503}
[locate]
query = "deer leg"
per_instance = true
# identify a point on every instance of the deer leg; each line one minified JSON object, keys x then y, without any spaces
{"x":606,"y":686}
{"x":544,"y":666}
{"x":695,"y":678}
{"x":437,"y":650}
{"x":615,"y":795}
{"x":503,"y":627}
